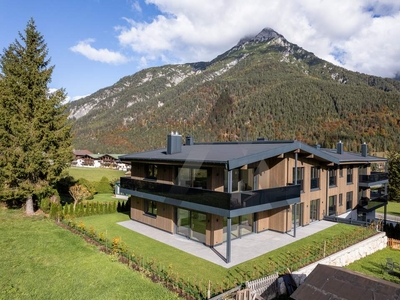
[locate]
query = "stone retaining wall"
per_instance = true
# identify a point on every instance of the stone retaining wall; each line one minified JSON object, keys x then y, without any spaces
{"x":341,"y":258}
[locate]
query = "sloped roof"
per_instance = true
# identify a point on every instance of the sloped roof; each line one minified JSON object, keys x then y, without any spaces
{"x":237,"y":154}
{"x":331,"y":283}
{"x":81,"y":152}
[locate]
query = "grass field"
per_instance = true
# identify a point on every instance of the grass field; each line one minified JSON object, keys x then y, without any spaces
{"x":372,"y":264}
{"x":40,"y":260}
{"x":184,"y":263}
{"x":393,"y":208}
{"x":94,"y":174}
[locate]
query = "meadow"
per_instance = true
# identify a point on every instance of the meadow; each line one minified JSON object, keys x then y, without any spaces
{"x":41,"y":260}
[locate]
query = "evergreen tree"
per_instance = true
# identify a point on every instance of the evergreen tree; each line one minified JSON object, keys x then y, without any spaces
{"x":35,"y":139}
{"x":394,"y":177}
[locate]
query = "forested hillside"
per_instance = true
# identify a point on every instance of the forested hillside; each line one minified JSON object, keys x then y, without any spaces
{"x":262,"y":87}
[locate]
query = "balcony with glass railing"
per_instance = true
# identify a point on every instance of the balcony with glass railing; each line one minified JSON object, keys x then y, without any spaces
{"x":176,"y":194}
{"x":375,"y":178}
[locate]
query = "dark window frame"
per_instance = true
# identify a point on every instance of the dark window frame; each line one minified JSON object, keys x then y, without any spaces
{"x":349,"y":200}
{"x":332,"y":177}
{"x":300,"y":177}
{"x":151,"y":171}
{"x":315,"y":178}
{"x":349,"y":178}
{"x":150,"y":208}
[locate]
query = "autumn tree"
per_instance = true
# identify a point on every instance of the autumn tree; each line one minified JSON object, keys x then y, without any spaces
{"x":78,"y":193}
{"x":35,"y":139}
{"x":394,"y":176}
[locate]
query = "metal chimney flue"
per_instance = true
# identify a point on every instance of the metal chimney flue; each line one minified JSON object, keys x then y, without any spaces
{"x":174,"y":143}
{"x":364,"y":150}
{"x":189,"y":141}
{"x":339,"y":147}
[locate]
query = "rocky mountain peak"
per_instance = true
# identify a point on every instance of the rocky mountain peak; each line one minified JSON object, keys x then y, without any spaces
{"x":265,"y":35}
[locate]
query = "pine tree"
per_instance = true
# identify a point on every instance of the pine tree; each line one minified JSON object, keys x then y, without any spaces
{"x":394,"y":176}
{"x":35,"y":139}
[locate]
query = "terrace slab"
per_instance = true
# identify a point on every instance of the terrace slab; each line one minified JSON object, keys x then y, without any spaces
{"x":242,"y":249}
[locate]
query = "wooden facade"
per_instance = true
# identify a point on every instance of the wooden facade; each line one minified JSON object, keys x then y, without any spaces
{"x":329,"y":186}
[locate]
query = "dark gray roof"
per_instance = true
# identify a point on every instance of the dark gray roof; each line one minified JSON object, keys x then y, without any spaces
{"x":352,"y":157}
{"x":237,"y":154}
{"x":329,"y":282}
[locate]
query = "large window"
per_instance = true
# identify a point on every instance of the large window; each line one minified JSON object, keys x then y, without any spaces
{"x":192,"y":224}
{"x":349,"y":200}
{"x":240,"y":226}
{"x":315,"y":174}
{"x":314,"y":210}
{"x":150,"y":171}
{"x":332,"y":205}
{"x":300,"y":177}
{"x":150,"y":207}
{"x":242,"y":180}
{"x":192,"y":177}
{"x":332,"y":177}
{"x":350,"y":175}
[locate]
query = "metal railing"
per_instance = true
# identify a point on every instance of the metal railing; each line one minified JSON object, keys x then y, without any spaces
{"x":374,"y":177}
{"x":228,"y":201}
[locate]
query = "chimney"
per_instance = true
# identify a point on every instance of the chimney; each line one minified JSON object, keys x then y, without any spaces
{"x":317,"y":146}
{"x":174,"y":143}
{"x":339,"y":147}
{"x":189,"y":141}
{"x":364,"y":149}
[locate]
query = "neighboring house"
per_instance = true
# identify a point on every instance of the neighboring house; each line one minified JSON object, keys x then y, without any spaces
{"x":329,"y":282}
{"x":215,"y":192}
{"x":89,"y":159}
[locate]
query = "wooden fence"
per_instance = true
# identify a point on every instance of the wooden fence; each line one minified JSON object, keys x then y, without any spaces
{"x":264,"y":288}
{"x":394,"y":244}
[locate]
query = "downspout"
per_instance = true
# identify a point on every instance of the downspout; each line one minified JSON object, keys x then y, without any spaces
{"x":295,"y":205}
{"x":229,"y":223}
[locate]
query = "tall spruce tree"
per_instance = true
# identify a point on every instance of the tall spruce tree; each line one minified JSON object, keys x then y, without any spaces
{"x":35,"y":139}
{"x":394,"y":176}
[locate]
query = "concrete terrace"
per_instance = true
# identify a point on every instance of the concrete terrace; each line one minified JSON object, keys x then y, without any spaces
{"x":243,"y":249}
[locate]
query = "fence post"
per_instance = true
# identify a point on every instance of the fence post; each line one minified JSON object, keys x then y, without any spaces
{"x":324,"y":247}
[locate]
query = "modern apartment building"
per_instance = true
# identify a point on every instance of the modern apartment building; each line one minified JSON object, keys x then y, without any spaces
{"x":215,"y":192}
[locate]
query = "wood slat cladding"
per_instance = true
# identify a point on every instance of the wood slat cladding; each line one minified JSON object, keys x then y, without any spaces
{"x":214,"y":230}
{"x":280,"y":219}
{"x":217,"y":179}
{"x":164,"y":219}
{"x":274,"y":219}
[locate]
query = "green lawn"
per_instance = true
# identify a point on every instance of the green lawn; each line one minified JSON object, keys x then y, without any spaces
{"x":184,"y":264}
{"x":393,"y":208}
{"x":94,"y":174}
{"x":40,"y":260}
{"x":372,"y":264}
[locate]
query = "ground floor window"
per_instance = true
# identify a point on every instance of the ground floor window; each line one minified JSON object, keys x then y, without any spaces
{"x":191,"y":224}
{"x":314,"y":210}
{"x":299,"y":214}
{"x":349,"y":200}
{"x":332,"y":205}
{"x":240,"y":226}
{"x":150,"y":207}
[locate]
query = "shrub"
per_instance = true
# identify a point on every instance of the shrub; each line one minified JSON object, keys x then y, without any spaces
{"x":45,"y":205}
{"x":89,"y":186}
{"x":103,"y":186}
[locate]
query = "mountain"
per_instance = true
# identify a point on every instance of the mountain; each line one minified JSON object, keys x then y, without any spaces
{"x":264,"y":86}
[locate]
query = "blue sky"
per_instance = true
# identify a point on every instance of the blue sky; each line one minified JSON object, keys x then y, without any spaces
{"x":94,"y":43}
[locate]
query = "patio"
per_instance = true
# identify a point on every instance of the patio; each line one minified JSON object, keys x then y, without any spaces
{"x":244,"y":249}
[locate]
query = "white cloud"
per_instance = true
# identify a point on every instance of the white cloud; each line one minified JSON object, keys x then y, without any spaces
{"x":136,"y":6}
{"x":101,"y":55}
{"x":363,"y":31}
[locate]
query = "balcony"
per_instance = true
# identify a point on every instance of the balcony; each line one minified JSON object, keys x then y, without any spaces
{"x":176,"y":195}
{"x":376,"y":178}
